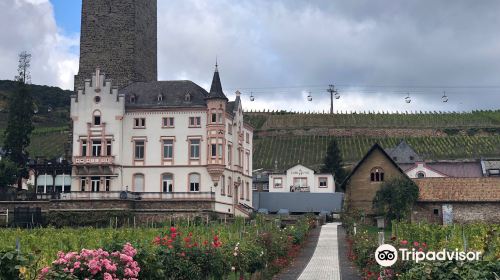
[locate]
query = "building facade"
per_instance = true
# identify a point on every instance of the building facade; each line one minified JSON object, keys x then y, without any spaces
{"x":161,"y":140}
{"x":134,"y":136}
{"x":301,"y":179}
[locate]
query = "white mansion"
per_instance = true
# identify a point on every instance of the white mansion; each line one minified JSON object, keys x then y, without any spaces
{"x":161,"y":140}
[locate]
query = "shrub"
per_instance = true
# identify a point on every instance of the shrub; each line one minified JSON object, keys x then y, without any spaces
{"x":12,"y":265}
{"x":94,"y":264}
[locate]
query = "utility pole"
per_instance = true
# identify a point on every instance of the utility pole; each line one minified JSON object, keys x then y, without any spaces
{"x":331,"y":90}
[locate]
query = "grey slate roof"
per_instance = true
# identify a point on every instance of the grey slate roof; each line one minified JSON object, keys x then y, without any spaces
{"x":173,"y":94}
{"x":403,"y":153}
{"x":216,"y":88}
{"x":232,"y":106}
{"x":456,"y":169}
{"x":490,"y":164}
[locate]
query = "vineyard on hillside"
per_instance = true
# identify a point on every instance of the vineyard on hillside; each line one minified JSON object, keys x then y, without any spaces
{"x":48,"y":142}
{"x":439,"y":120}
{"x":310,"y":150}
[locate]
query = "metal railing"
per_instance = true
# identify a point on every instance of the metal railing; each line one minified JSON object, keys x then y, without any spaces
{"x":82,"y":160}
{"x":138,"y":195}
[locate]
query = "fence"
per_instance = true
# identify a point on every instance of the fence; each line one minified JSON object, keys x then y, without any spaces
{"x":5,"y":213}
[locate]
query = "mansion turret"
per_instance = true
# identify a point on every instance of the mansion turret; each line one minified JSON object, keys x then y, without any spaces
{"x":161,"y":140}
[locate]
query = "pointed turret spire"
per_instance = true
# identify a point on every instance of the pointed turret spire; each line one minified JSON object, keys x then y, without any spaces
{"x":216,"y":88}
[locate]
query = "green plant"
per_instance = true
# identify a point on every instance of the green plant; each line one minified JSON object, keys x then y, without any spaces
{"x":395,"y":198}
{"x":13,"y":265}
{"x":477,"y":270}
{"x":333,"y":162}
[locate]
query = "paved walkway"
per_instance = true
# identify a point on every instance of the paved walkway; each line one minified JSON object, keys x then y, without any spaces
{"x":324,"y":263}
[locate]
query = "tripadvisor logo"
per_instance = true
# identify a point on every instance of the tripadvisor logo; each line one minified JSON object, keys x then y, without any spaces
{"x":386,"y":255}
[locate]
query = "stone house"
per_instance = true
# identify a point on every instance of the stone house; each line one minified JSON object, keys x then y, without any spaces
{"x":457,"y":200}
{"x":366,"y":178}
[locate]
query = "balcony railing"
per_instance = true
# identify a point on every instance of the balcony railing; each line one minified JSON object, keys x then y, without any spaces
{"x":82,"y":160}
{"x":137,"y":195}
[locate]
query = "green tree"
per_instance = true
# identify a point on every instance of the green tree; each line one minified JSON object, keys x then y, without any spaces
{"x":20,"y":124}
{"x":8,"y":174}
{"x":395,"y":198}
{"x":333,"y":162}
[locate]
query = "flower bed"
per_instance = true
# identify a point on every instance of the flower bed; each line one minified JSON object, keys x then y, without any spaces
{"x":484,"y":238}
{"x":185,"y":251}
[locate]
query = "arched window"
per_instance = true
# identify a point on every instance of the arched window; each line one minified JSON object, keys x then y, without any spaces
{"x":194,"y":182}
{"x":138,"y":182}
{"x":159,"y":98}
{"x":96,"y":118}
{"x":420,"y":174}
{"x":132,"y":98}
{"x":167,"y":182}
{"x":377,"y":174}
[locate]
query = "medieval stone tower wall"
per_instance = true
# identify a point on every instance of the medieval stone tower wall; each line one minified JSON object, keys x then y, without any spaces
{"x":120,"y":37}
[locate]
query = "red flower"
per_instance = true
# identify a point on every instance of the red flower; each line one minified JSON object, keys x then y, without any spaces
{"x":173,"y":229}
{"x":183,"y":254}
{"x":424,"y":244}
{"x":173,"y":235}
{"x":404,"y":242}
{"x":415,"y":244}
{"x":205,"y":242}
{"x":156,"y":240}
{"x":420,"y":249}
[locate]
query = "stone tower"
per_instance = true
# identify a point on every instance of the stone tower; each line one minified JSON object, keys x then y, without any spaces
{"x":119,"y":37}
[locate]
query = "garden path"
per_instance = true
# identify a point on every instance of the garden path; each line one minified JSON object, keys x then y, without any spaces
{"x":324,"y":263}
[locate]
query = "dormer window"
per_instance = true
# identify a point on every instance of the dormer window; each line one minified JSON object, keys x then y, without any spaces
{"x":159,"y":98}
{"x":187,"y":97}
{"x":132,"y":98}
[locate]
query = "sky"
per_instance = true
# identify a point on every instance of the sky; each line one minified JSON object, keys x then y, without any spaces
{"x":376,"y":53}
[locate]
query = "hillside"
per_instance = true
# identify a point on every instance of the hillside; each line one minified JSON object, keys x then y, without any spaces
{"x":52,"y":104}
{"x":287,"y":138}
{"x":310,"y":150}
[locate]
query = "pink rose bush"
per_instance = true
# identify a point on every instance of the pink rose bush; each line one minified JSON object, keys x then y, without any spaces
{"x":94,"y":264}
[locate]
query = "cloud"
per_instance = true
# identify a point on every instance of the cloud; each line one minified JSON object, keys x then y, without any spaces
{"x":271,"y":47}
{"x":32,"y":27}
{"x":375,"y":52}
